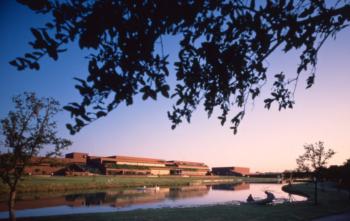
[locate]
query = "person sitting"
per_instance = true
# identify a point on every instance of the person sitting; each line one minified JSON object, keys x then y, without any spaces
{"x":250,"y":198}
{"x":270,"y":195}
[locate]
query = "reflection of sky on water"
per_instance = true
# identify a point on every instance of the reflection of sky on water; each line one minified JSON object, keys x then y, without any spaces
{"x":126,"y":200}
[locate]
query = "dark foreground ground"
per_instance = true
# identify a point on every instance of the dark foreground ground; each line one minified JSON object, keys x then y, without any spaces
{"x":337,"y":217}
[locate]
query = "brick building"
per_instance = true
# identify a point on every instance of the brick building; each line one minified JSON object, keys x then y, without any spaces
{"x":76,"y":163}
{"x":187,"y":168}
{"x":125,"y":165}
{"x":230,"y":171}
{"x":54,"y":165}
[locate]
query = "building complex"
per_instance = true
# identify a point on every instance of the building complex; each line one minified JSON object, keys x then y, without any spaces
{"x":230,"y":171}
{"x":83,"y":164}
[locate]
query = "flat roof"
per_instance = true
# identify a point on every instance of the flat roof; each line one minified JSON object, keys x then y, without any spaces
{"x":231,"y":167}
{"x":189,"y":163}
{"x":77,"y":153}
{"x":136,"y":159}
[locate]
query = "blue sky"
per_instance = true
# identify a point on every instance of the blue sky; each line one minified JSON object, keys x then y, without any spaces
{"x":266,"y":140}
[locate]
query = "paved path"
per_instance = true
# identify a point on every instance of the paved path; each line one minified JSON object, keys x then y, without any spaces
{"x":339,"y":217}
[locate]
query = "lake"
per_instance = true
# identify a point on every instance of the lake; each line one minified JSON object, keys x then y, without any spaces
{"x":113,"y":200}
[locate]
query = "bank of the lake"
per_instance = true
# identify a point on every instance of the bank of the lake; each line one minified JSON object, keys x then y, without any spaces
{"x":31,"y":184}
{"x":330,"y":202}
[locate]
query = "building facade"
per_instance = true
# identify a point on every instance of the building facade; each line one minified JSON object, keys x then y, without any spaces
{"x":54,"y":165}
{"x":231,"y":171}
{"x":81,"y":164}
{"x":186,"y":168}
{"x":125,"y":165}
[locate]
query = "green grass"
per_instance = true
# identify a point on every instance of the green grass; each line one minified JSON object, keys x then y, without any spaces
{"x":330,"y":202}
{"x":36,"y":184}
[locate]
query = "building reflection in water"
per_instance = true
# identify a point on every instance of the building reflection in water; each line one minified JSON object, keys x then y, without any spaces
{"x":124,"y":198}
{"x":236,"y":186}
{"x":188,"y":191}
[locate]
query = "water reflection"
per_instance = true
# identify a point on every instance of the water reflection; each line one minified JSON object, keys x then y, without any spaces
{"x":188,"y":191}
{"x":130,"y":199}
{"x":237,"y":186}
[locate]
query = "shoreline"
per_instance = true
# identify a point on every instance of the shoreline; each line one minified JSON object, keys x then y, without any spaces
{"x":41,"y":184}
{"x":289,"y":189}
{"x":240,"y":202}
{"x":331,"y":202}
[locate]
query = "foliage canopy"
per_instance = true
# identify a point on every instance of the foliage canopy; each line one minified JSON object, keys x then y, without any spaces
{"x":315,"y":157}
{"x":222,"y":58}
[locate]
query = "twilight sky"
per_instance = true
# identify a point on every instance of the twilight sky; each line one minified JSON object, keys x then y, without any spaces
{"x":267,"y":140}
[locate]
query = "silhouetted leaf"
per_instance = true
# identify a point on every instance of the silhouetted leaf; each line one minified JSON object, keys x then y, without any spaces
{"x":252,"y":4}
{"x":310,"y":81}
{"x":36,"y":5}
{"x":37,"y":34}
{"x":165,"y":91}
{"x":70,"y":128}
{"x":13,"y":63}
{"x":79,"y":122}
{"x":101,"y":114}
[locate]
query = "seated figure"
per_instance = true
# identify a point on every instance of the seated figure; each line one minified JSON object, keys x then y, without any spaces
{"x":270,"y":195}
{"x":250,"y":198}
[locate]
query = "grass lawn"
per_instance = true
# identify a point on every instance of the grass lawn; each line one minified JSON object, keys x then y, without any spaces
{"x":330,"y":202}
{"x":32,"y":184}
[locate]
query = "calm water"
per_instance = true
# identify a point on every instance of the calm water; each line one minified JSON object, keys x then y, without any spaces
{"x":131,"y":199}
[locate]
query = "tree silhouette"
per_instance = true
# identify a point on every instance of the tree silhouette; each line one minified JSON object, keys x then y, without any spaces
{"x":222,"y":59}
{"x":345,"y":175}
{"x":25,"y":132}
{"x":314,"y":159}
